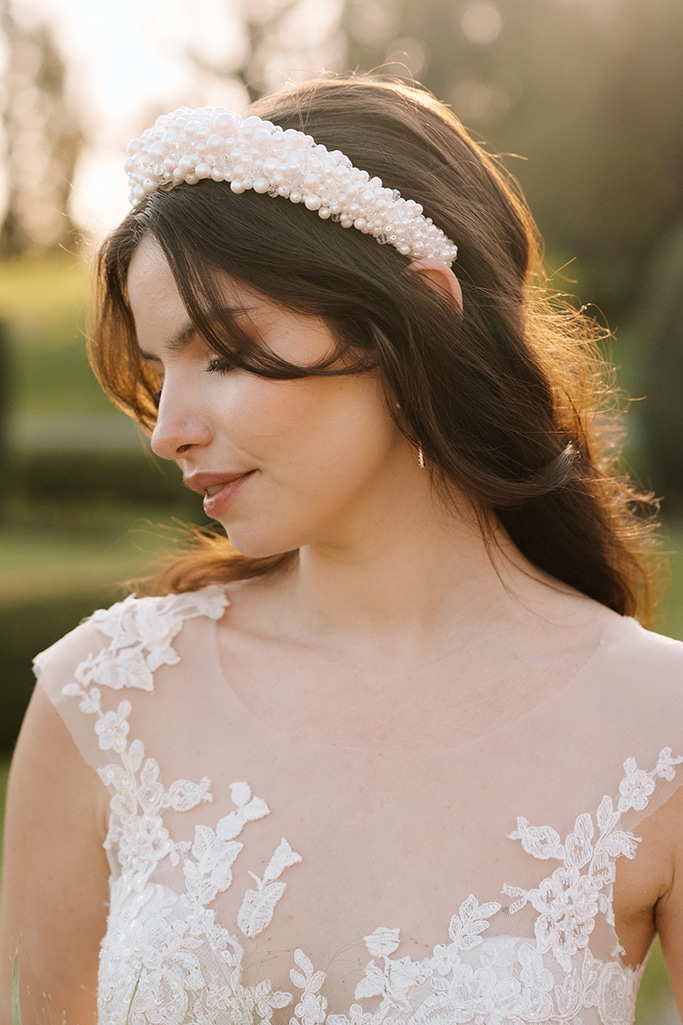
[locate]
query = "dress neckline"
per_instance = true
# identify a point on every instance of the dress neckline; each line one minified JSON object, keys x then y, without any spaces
{"x":614,"y":630}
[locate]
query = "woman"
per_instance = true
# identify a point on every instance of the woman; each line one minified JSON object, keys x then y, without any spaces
{"x":397,"y":752}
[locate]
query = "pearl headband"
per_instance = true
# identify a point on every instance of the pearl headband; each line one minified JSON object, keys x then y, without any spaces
{"x":212,"y":142}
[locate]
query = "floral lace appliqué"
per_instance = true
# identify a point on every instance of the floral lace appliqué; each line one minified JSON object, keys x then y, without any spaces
{"x":568,"y":901}
{"x":167,"y":960}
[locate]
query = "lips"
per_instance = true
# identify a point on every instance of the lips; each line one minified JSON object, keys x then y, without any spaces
{"x":218,"y":489}
{"x":210,"y":483}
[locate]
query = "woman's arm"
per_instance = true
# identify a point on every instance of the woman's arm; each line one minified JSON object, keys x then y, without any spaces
{"x":669,"y":910}
{"x":55,"y":875}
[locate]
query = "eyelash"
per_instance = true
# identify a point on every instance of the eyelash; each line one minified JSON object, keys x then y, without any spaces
{"x":220,"y":365}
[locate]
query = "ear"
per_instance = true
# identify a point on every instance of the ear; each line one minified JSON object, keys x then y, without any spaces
{"x":439,"y":277}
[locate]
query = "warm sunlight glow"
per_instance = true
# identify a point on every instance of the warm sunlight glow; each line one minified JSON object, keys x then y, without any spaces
{"x":129,"y":61}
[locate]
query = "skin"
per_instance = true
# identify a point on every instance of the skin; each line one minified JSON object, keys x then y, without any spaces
{"x":391,"y":591}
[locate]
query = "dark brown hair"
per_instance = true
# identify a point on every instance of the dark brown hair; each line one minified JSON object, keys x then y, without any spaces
{"x":509,"y":400}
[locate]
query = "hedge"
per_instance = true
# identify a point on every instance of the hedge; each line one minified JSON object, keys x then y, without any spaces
{"x":27,"y":628}
{"x":75,"y":477}
{"x":69,"y":480}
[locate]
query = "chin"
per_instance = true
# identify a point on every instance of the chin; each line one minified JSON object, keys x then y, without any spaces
{"x":258,"y":547}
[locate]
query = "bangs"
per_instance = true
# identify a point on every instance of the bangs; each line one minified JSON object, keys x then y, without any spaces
{"x":228,"y":330}
{"x":284,"y":254}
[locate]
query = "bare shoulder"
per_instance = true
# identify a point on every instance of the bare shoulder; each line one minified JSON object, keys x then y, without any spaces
{"x":643,"y":661}
{"x":135,"y":623}
{"x":644,"y":681}
{"x":55,"y":873}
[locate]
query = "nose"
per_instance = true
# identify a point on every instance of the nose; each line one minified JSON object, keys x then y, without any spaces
{"x":180,"y":426}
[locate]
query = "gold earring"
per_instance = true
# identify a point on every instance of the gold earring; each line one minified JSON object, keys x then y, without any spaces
{"x":420,"y":457}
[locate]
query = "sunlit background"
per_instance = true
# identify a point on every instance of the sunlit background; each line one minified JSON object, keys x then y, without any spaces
{"x":583,"y":97}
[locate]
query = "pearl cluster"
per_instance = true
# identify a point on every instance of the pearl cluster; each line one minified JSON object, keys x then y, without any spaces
{"x":212,"y":142}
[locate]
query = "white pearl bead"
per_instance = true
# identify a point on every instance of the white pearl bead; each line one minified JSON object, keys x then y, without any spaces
{"x":225,"y":122}
{"x":190,"y":145}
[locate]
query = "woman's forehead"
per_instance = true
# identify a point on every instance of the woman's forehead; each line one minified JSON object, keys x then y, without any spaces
{"x":153,"y":290}
{"x":165,"y":325}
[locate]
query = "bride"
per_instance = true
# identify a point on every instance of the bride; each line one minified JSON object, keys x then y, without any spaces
{"x":399,"y":751}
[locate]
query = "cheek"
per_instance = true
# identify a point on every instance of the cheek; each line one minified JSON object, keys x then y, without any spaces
{"x":312,"y":420}
{"x":264,"y":416}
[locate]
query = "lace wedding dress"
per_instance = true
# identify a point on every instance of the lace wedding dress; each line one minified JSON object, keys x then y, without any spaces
{"x":257,"y":877}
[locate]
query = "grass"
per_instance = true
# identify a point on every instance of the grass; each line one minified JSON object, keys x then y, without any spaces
{"x":670,"y":619}
{"x":106,"y":546}
{"x":43,"y":305}
{"x":655,"y":990}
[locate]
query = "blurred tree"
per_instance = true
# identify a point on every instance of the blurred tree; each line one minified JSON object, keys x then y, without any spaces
{"x":41,"y":139}
{"x":589,"y":91}
{"x":658,"y":322}
{"x":284,"y":40}
{"x":5,"y":383}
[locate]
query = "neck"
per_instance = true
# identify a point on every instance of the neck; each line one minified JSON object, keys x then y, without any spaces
{"x":426,"y":576}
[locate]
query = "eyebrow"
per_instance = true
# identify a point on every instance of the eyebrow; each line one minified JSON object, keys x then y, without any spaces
{"x":176,"y":343}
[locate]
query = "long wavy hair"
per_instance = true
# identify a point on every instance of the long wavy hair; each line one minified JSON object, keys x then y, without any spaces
{"x":510,"y":400}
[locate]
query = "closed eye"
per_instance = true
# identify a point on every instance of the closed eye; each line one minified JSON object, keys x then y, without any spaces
{"x":220,"y":365}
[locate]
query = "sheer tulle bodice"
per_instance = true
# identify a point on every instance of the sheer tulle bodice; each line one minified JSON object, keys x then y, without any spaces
{"x":257,"y":877}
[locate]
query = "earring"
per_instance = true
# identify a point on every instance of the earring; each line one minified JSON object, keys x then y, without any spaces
{"x":420,"y":458}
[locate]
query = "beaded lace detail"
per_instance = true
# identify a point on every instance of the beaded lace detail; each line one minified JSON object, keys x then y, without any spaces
{"x":167,"y":959}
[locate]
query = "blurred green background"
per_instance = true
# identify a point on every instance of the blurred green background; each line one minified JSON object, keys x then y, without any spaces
{"x":584,"y":100}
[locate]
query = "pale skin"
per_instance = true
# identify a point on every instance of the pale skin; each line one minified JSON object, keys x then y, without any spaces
{"x":392,"y":589}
